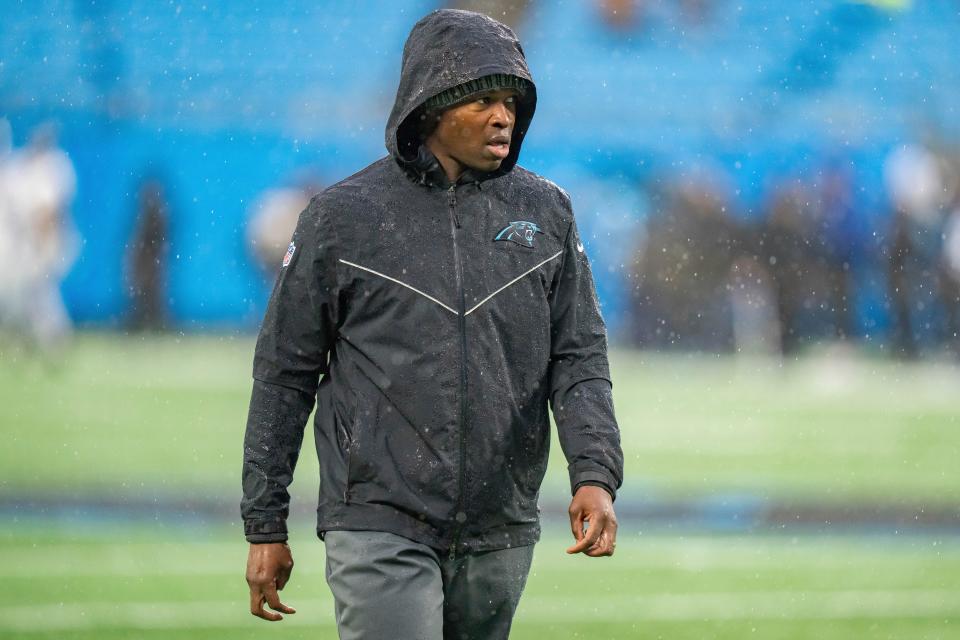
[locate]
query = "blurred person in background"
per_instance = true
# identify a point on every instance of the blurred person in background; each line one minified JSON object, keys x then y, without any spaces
{"x":837,"y":240}
{"x":697,"y":12}
{"x":509,"y":12}
{"x":274,"y":217}
{"x":950,"y":260}
{"x":806,"y":242}
{"x":10,"y":235}
{"x":37,"y":245}
{"x":783,"y":248}
{"x":915,"y":185}
{"x":753,"y":306}
{"x":147,"y":259}
{"x":626,"y":18}
{"x":445,"y":296}
{"x":622,"y":16}
{"x":683,"y":272}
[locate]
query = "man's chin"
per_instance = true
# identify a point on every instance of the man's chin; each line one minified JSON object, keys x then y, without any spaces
{"x":488,"y":164}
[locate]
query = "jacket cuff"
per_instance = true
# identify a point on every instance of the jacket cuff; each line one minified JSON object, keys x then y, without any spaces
{"x":261,"y":531}
{"x":596,"y":478}
{"x":602,"y":485}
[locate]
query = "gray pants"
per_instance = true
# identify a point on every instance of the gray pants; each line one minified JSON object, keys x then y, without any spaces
{"x":387,"y":587}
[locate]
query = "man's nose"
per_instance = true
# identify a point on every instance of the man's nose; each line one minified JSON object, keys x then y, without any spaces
{"x":502,"y":116}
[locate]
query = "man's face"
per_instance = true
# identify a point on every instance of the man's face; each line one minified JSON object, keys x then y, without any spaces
{"x":477,"y":133}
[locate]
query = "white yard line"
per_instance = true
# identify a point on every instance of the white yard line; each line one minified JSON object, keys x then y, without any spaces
{"x":152,"y":615}
{"x":639,"y":553}
{"x":138,"y":560}
{"x":753,"y":605}
{"x":750,"y":605}
{"x":677,"y":607}
{"x":131,"y":569}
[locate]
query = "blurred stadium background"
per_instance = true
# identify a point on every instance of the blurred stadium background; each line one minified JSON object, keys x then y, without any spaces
{"x":770,"y":194}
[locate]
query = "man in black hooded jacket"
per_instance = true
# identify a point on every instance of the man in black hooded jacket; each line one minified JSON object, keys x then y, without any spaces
{"x":433,"y":305}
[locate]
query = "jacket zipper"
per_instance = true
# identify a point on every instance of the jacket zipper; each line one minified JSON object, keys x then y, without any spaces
{"x":458,"y":269}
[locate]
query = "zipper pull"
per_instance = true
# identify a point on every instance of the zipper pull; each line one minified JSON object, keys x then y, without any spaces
{"x":452,"y":201}
{"x":453,"y":551}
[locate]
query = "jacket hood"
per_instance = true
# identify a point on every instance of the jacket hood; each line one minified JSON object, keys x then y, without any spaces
{"x":447,"y":48}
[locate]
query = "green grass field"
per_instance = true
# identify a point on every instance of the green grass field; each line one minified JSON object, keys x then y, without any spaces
{"x":162,"y":418}
{"x":167,"y":415}
{"x":136,"y":583}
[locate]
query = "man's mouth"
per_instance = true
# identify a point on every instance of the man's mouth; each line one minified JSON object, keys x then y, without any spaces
{"x":499,"y":146}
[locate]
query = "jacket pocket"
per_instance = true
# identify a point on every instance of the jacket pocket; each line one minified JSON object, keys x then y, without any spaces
{"x":350,"y":445}
{"x":362,"y":424}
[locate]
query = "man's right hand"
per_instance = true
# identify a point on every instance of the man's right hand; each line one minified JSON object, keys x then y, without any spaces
{"x":268,"y":569}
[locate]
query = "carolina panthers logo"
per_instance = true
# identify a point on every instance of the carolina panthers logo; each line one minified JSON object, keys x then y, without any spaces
{"x":521,"y":232}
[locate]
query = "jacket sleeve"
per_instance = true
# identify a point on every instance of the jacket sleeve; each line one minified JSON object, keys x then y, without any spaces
{"x":291,"y":354}
{"x":580,"y":387}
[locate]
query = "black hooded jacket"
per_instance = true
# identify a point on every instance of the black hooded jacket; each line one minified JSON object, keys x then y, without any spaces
{"x":433,"y":322}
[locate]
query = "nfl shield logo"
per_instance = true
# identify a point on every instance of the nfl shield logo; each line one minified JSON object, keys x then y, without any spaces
{"x":289,"y":255}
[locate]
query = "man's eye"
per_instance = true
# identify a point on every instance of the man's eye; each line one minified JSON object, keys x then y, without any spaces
{"x":484,"y":100}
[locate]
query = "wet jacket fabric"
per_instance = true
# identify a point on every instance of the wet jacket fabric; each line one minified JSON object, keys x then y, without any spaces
{"x":433,"y":323}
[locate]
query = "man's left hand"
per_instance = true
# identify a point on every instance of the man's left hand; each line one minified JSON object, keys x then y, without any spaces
{"x":594,"y":506}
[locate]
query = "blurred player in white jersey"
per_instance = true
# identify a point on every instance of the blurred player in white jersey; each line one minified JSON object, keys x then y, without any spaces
{"x":37,"y":186}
